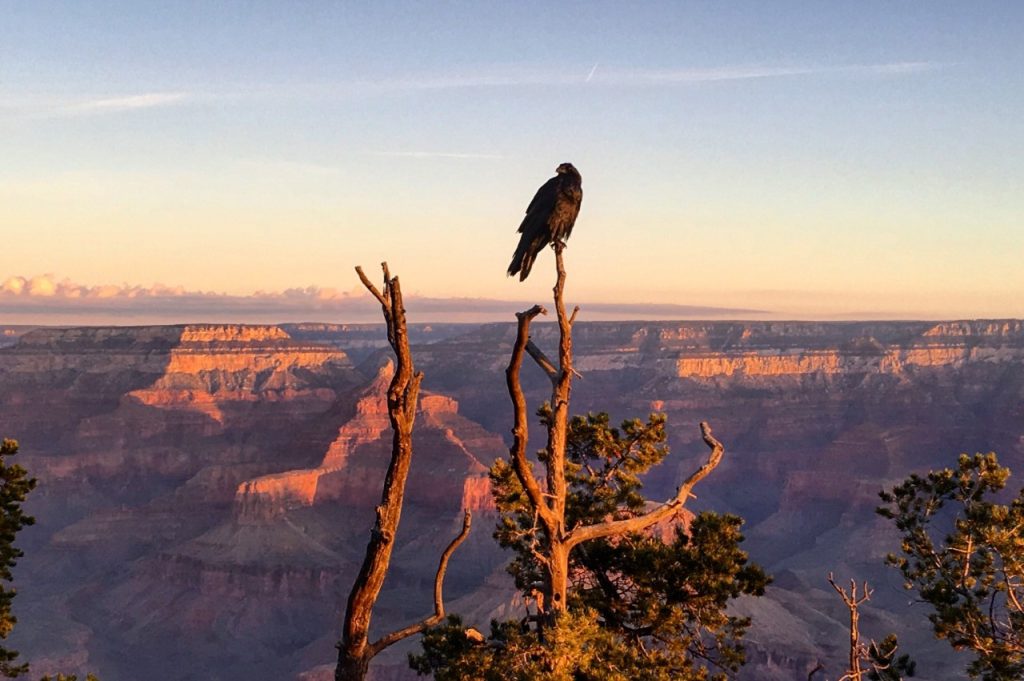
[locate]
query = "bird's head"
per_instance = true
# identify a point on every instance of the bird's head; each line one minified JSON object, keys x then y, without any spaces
{"x":567,"y":168}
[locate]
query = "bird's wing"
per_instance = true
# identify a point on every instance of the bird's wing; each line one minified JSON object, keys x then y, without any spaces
{"x":564,"y":214}
{"x":541,"y":206}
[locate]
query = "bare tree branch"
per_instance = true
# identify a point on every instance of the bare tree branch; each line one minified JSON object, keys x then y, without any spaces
{"x":520,"y":430}
{"x":373,"y":289}
{"x":426,"y":623}
{"x":559,"y":429}
{"x":572,"y":318}
{"x":853,"y":602}
{"x":550,"y":505}
{"x":616,"y":527}
{"x":354,"y":650}
{"x":545,"y":363}
{"x":542,"y":360}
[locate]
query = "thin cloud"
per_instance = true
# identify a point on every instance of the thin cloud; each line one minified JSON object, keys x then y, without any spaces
{"x":435,"y":154}
{"x":45,"y":299}
{"x":901,"y":67}
{"x":148,"y":100}
{"x":610,"y":76}
{"x":755,"y":72}
{"x":464,"y":81}
{"x":52,"y":106}
{"x":513,"y":77}
{"x":49,"y":106}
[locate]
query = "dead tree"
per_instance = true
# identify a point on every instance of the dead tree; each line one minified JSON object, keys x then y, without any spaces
{"x":880,"y":658}
{"x":355,"y":650}
{"x":549,"y":502}
{"x":853,"y":603}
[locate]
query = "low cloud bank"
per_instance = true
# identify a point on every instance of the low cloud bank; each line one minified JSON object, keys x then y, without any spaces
{"x":46,"y":299}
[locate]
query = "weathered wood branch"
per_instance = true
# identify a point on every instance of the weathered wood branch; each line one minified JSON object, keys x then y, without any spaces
{"x":611,"y":528}
{"x":545,"y":363}
{"x":542,"y":360}
{"x":373,"y":290}
{"x":354,"y":649}
{"x":427,"y":622}
{"x":853,"y":603}
{"x":521,"y":429}
{"x":851,"y":598}
{"x":558,"y":430}
{"x":1011,"y":591}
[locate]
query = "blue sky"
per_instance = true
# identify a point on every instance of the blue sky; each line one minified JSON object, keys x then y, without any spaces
{"x":806,"y":159}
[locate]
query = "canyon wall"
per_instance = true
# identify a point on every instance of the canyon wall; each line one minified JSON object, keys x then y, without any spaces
{"x":206,"y":490}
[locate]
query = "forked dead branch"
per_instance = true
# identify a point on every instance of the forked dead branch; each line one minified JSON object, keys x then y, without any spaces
{"x":355,"y":650}
{"x":853,"y":602}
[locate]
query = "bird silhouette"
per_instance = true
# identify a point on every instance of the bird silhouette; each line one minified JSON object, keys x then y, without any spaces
{"x":549,"y":218}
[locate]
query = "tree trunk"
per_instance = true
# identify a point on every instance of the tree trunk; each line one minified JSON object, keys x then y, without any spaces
{"x":558,"y":576}
{"x":853,"y":603}
{"x":855,"y":672}
{"x":558,"y":431}
{"x":355,"y":649}
{"x":351,"y":665}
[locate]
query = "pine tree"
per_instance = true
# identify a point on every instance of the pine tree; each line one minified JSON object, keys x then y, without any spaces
{"x":964,"y":555}
{"x":641,"y":605}
{"x":664,"y":596}
{"x":14,"y":488}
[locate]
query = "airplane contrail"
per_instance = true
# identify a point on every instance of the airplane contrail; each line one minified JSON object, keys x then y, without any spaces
{"x":591,"y":74}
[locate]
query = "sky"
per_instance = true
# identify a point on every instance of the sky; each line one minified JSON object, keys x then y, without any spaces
{"x":818,"y":160}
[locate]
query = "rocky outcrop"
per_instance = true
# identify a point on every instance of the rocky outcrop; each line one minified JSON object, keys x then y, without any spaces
{"x":476,"y":495}
{"x":213,"y":364}
{"x":828,"y":362}
{"x":68,"y":389}
{"x":362,"y":448}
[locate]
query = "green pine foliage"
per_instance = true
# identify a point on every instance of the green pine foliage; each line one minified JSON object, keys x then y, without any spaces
{"x":964,"y":555}
{"x":640,"y":605}
{"x":885,"y":664}
{"x":14,"y":488}
{"x":577,"y":647}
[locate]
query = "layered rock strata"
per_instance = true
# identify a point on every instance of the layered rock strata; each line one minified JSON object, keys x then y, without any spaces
{"x":206,"y":490}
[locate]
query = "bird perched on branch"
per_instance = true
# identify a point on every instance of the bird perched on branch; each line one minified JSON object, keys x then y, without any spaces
{"x":549,"y":218}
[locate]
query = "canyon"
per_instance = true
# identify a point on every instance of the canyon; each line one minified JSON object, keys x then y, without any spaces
{"x":205,"y":491}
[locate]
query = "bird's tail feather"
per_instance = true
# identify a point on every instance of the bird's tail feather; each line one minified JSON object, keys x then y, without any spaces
{"x":526,"y":265}
{"x":521,"y":262}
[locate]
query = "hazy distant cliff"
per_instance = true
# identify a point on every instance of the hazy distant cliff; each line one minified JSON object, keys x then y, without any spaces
{"x":205,"y":487}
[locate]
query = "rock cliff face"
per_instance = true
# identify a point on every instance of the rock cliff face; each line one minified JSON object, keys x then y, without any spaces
{"x":64,"y":385}
{"x":348,"y":473}
{"x":204,"y":487}
{"x":952,"y":344}
{"x":205,"y":491}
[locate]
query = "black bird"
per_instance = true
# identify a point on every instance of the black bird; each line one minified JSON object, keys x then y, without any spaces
{"x":549,"y":218}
